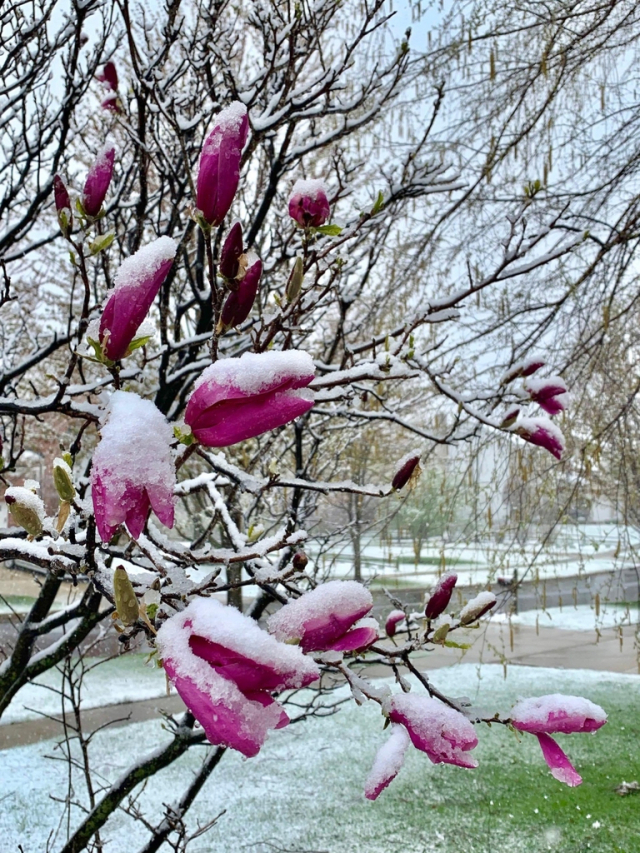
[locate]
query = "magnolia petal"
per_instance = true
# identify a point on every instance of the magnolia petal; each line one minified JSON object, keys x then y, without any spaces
{"x":560,"y":766}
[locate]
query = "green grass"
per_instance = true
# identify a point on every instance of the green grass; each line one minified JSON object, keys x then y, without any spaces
{"x":304,"y":791}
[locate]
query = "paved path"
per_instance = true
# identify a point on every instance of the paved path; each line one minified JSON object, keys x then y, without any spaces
{"x":548,"y":647}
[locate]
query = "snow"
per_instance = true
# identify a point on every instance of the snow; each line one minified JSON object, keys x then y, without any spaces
{"x":583,"y":617}
{"x":327,"y":602}
{"x":308,"y":187}
{"x":552,"y":712}
{"x":139,"y":268}
{"x":230,"y":118}
{"x":388,"y":761}
{"x":135,"y":445}
{"x":253,"y":373}
{"x":229,"y":628}
{"x":483,"y":601}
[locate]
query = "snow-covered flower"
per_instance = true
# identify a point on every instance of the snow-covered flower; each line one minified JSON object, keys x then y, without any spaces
{"x":98,"y":180}
{"x":225,"y":668}
{"x":240,"y":301}
{"x":526,"y":367}
{"x":543,"y":433}
{"x":26,"y":507}
{"x":477,"y":607}
{"x":308,"y":203}
{"x":392,"y":622}
{"x":549,"y":393}
{"x":328,"y":617}
{"x":219,"y":171}
{"x":136,"y":285}
{"x":240,"y":398}
{"x":388,"y":762}
{"x":443,"y":733}
{"x":441,"y":595}
{"x":133,"y":468}
{"x":553,"y":714}
{"x":405,"y":470}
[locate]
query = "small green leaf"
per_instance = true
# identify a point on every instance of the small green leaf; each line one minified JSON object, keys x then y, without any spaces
{"x":136,"y":343}
{"x":329,"y":230}
{"x":451,"y":644}
{"x":101,"y":243}
{"x":379,"y":204}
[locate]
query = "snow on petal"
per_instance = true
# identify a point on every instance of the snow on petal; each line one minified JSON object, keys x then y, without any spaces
{"x":133,"y":467}
{"x":388,"y":762}
{"x":556,"y":712}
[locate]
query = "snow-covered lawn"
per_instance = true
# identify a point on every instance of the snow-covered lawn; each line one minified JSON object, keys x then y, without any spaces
{"x":304,"y":791}
{"x":580,"y":618}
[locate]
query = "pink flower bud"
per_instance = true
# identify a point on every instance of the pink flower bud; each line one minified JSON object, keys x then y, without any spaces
{"x":321,"y":619}
{"x":525,"y":367}
{"x":63,"y":205}
{"x":240,"y":301}
{"x":308,"y":203}
{"x":441,"y":595}
{"x":393,"y":620}
{"x":405,"y":469}
{"x":443,"y":733}
{"x":112,"y":102}
{"x":109,"y":76}
{"x":136,"y":285}
{"x":98,"y":180}
{"x":548,"y":393}
{"x":133,"y":469}
{"x":543,"y":433}
{"x":225,"y":667}
{"x":300,"y":561}
{"x":231,"y":250}
{"x":240,"y":398}
{"x":219,"y":172}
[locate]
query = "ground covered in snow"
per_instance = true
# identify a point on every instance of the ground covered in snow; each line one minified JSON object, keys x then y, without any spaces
{"x":304,"y":791}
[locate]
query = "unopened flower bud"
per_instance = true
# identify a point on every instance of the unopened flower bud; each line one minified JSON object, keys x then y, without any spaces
{"x":441,"y":595}
{"x":26,"y":508}
{"x":440,"y":634}
{"x":240,"y":302}
{"x":232,"y":248}
{"x":510,"y":418}
{"x":63,"y":205}
{"x":405,"y":470}
{"x":477,"y":607}
{"x":125,"y":598}
{"x":393,"y":620}
{"x":296,"y":279}
{"x":63,"y":480}
{"x":98,"y":180}
{"x":308,"y":203}
{"x":300,"y":561}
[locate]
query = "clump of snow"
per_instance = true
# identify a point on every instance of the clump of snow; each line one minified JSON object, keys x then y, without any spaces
{"x":388,"y":762}
{"x":308,"y":187}
{"x":26,"y":498}
{"x":145,"y":263}
{"x":557,"y":713}
{"x":230,"y":118}
{"x":335,"y":601}
{"x":256,"y":372}
{"x":226,"y":626}
{"x":477,"y":606}
{"x":135,"y":446}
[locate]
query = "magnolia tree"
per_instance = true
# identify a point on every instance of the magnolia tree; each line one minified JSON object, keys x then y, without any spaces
{"x":280,"y":336}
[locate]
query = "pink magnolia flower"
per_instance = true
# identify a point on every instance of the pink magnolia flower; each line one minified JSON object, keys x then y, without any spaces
{"x":443,"y":733}
{"x":109,"y":76}
{"x":327,"y":618}
{"x":136,"y":285}
{"x":240,"y":301}
{"x":219,"y":172}
{"x":308,"y":203}
{"x":133,"y":469}
{"x":441,"y":595}
{"x":556,"y":713}
{"x":232,"y":249}
{"x":98,"y":180}
{"x":541,"y":432}
{"x":393,"y":620}
{"x":549,"y":393}
{"x":225,"y":668}
{"x":240,"y":398}
{"x":405,"y":469}
{"x":388,"y":762}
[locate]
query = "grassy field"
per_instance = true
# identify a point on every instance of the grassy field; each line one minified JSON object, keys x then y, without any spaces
{"x":304,"y":792}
